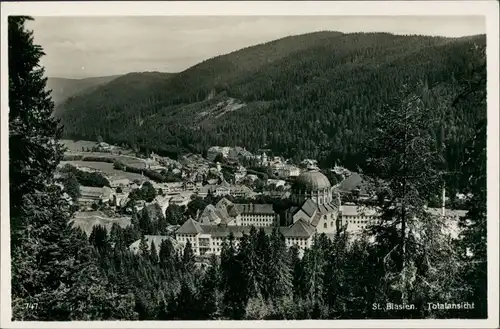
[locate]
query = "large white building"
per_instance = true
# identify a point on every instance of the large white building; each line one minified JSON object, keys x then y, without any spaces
{"x":315,"y":210}
{"x":208,"y":239}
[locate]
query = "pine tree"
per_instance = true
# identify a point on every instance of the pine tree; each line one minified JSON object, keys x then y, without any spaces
{"x":53,"y":265}
{"x":298,"y":278}
{"x":161,"y":225}
{"x":34,"y":148}
{"x":314,"y":270}
{"x":145,"y":223}
{"x":153,"y":255}
{"x":188,"y":259}
{"x":262,"y":252}
{"x":148,"y":191}
{"x":99,"y":238}
{"x":71,"y":186}
{"x":167,"y":258}
{"x":407,"y":166}
{"x":187,"y":307}
{"x":278,"y":272}
{"x":234,"y":301}
{"x":473,"y":243}
{"x":248,"y":262}
{"x":144,"y":248}
{"x":209,"y":291}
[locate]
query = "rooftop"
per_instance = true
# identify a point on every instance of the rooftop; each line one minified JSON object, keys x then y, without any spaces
{"x":300,"y":229}
{"x":311,"y":181}
{"x":252,"y":208}
{"x":190,"y":227}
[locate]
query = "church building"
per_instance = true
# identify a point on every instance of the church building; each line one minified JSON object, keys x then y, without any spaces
{"x":314,"y":211}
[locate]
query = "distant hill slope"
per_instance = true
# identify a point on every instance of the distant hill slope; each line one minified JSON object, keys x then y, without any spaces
{"x":63,"y":88}
{"x":310,"y":95}
{"x":121,"y":89}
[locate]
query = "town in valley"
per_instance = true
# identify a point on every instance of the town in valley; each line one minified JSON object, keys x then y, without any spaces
{"x":218,"y":196}
{"x":213,"y":168}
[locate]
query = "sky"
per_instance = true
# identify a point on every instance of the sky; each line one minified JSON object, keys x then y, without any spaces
{"x":80,"y":47}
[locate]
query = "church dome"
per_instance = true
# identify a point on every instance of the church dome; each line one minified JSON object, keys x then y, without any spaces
{"x":311,"y":181}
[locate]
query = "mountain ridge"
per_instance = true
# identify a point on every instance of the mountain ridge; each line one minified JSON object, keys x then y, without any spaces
{"x":306,"y":95}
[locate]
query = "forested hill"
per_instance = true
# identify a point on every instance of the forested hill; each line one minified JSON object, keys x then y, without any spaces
{"x":63,"y":88}
{"x":112,"y":87}
{"x":311,"y":95}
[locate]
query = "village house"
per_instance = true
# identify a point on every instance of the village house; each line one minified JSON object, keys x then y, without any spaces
{"x":91,"y":195}
{"x":175,"y":186}
{"x":286,"y":171}
{"x":276,"y":182}
{"x":157,"y":168}
{"x":119,"y":199}
{"x":223,"y":213}
{"x":240,"y":173}
{"x":181,"y":199}
{"x":240,"y":191}
{"x":225,"y":189}
{"x":105,"y":147}
{"x":116,"y":181}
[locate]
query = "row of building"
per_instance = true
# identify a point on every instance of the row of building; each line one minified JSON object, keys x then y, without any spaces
{"x":314,"y":211}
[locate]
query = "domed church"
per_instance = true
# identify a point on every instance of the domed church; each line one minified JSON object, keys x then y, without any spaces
{"x":312,"y":185}
{"x":313,"y":203}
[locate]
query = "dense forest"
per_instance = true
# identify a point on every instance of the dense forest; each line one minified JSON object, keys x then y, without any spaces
{"x":311,"y":95}
{"x":58,"y":273}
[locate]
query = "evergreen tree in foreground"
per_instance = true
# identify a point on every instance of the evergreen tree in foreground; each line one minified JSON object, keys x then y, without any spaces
{"x":420,"y":262}
{"x":473,"y":241}
{"x":54,"y":268}
{"x":34,"y":151}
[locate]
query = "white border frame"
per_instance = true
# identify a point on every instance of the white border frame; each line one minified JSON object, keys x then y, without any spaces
{"x":488,"y":9}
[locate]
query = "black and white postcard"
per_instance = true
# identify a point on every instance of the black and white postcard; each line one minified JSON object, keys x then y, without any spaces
{"x":271,"y":164}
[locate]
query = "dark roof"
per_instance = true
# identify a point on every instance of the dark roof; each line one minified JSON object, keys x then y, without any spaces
{"x":190,"y":227}
{"x":309,"y":207}
{"x":311,"y":180}
{"x":209,"y":213}
{"x":252,"y":208}
{"x":300,"y":229}
{"x":327,"y":208}
{"x":93,"y":192}
{"x":223,"y":203}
